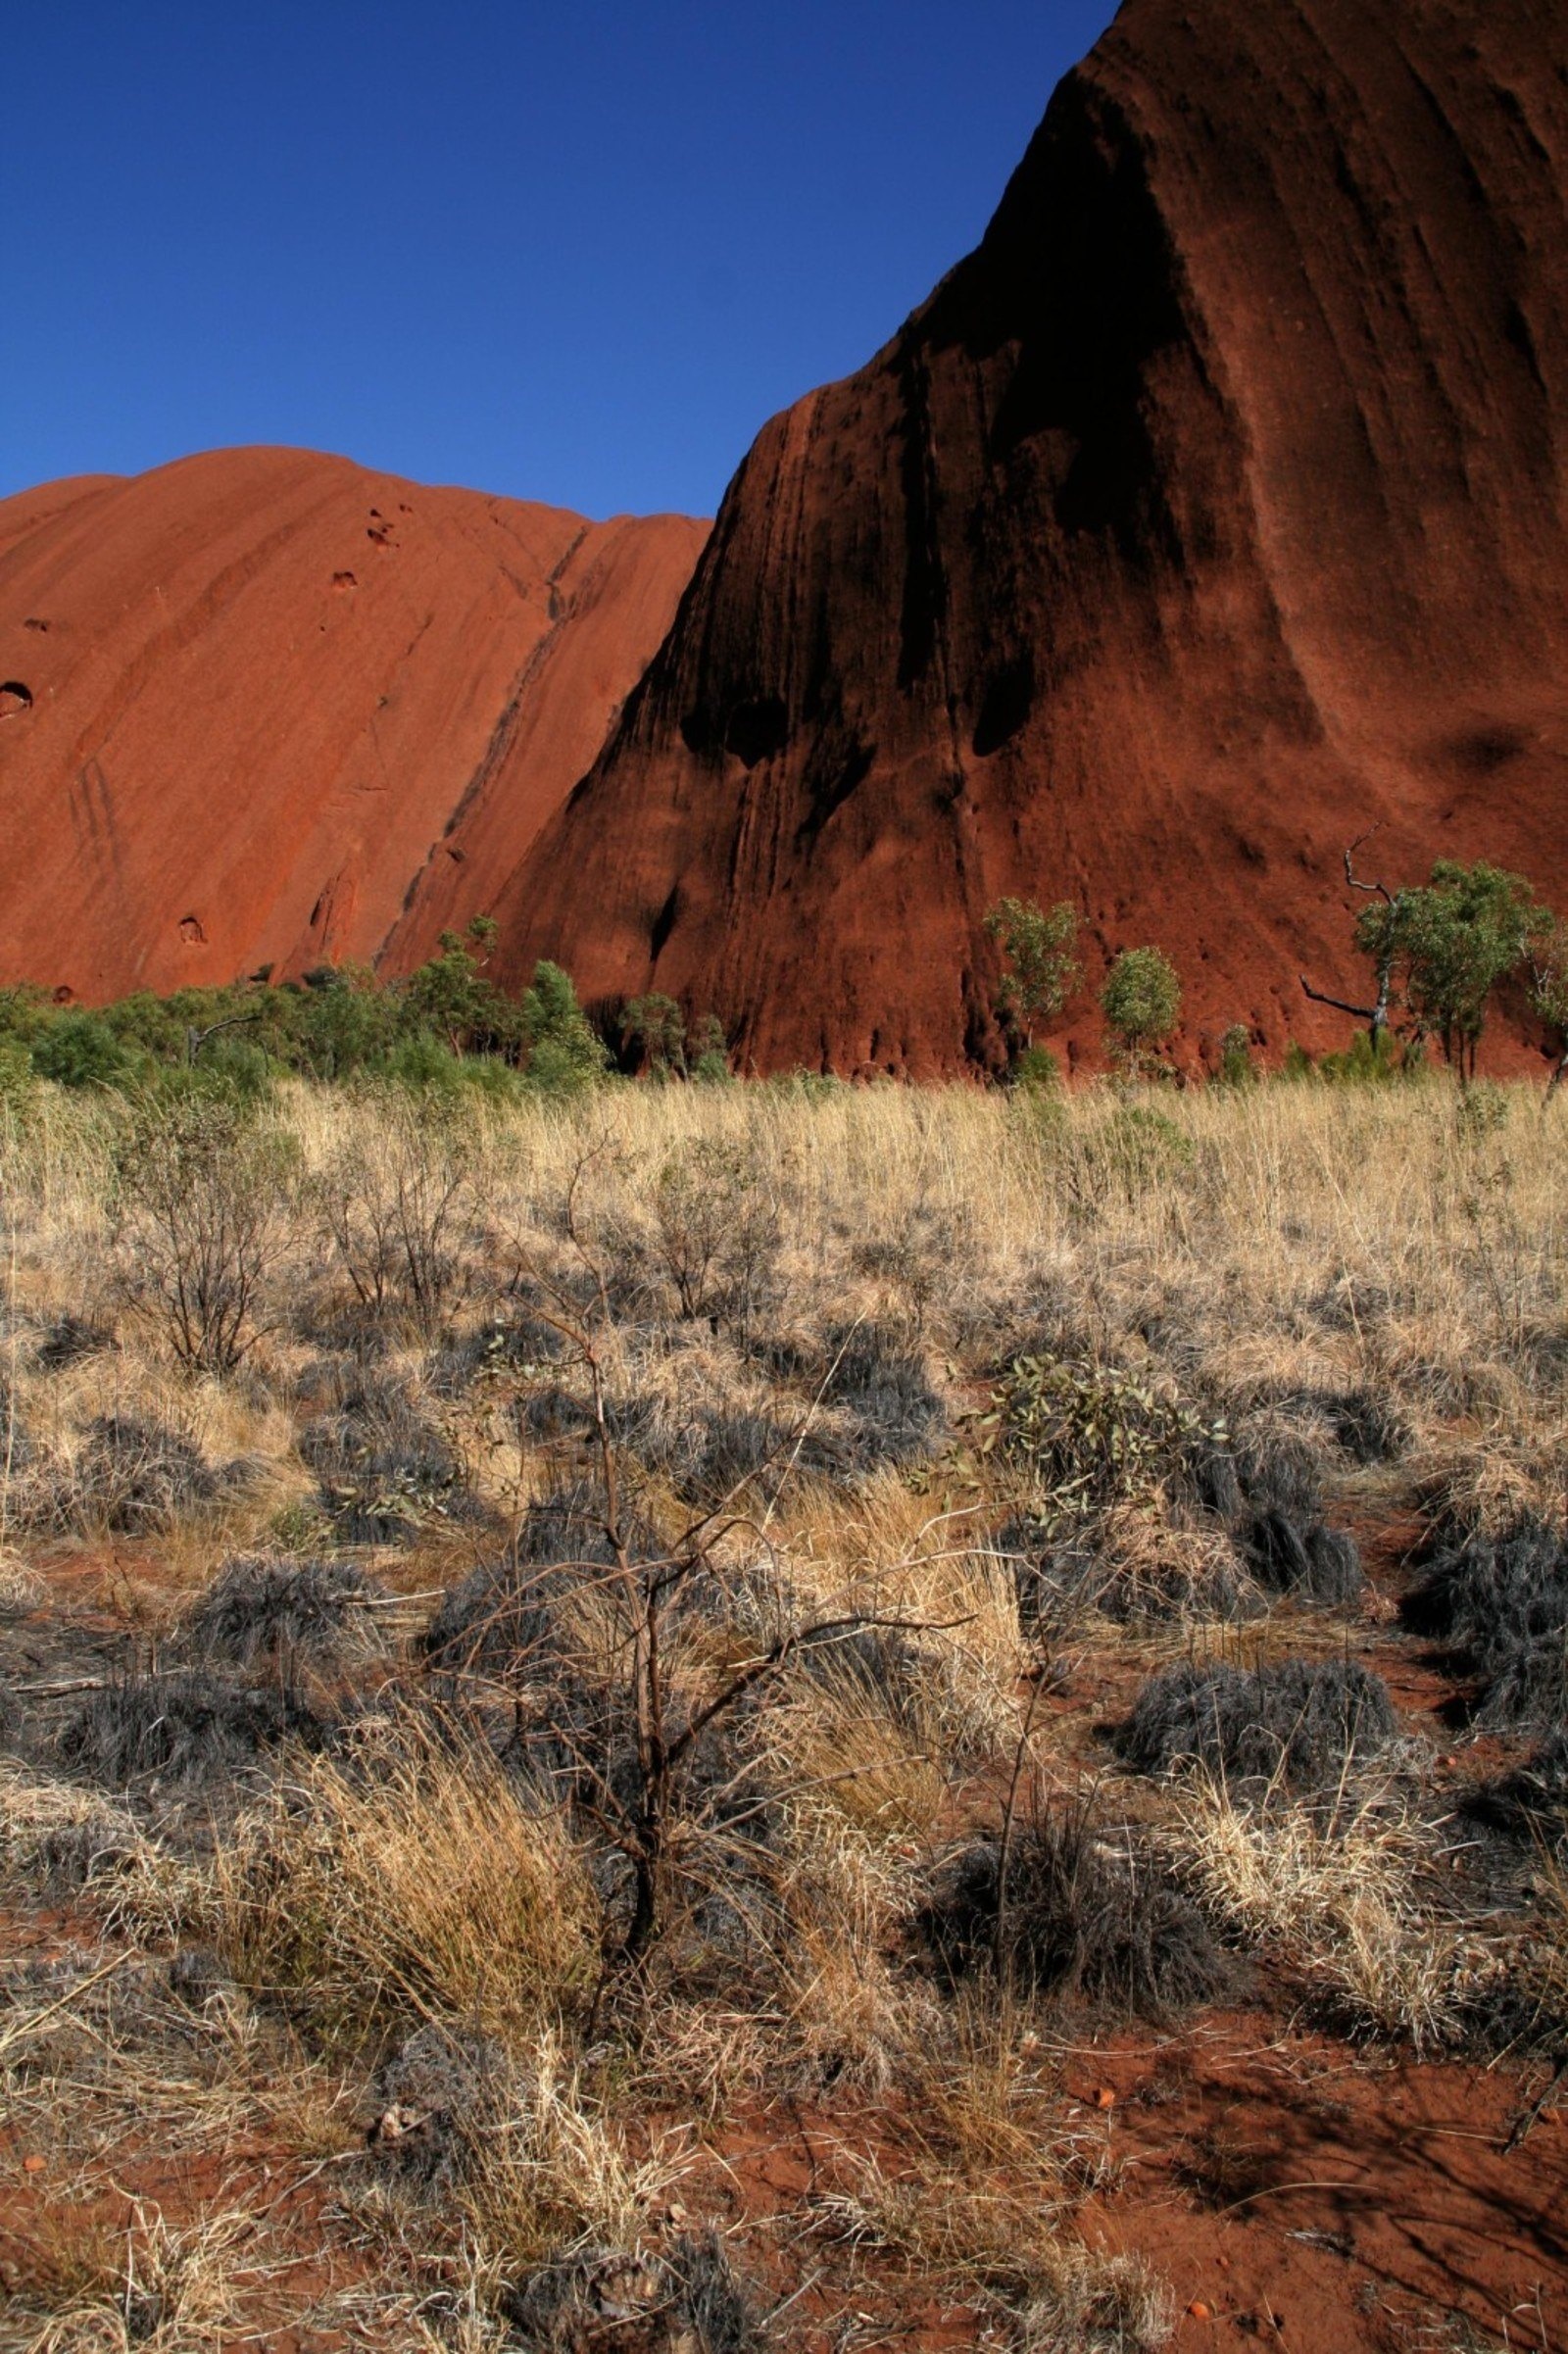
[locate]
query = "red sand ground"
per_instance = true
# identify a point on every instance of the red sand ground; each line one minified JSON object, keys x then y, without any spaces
{"x":263,"y":697}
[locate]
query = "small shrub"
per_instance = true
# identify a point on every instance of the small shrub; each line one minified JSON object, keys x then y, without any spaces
{"x":500,"y":1621}
{"x":1085,"y":1916}
{"x":1141,"y":1002}
{"x":719,"y":1235}
{"x":1091,"y":1437}
{"x":1298,"y":1725}
{"x":201,"y":1184}
{"x":258,"y":1608}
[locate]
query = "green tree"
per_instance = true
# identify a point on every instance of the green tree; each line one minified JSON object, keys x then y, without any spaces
{"x":1040,"y":962}
{"x":1448,"y":944}
{"x":1548,"y":992}
{"x":565,"y":1054}
{"x":449,"y":996}
{"x":1141,"y":1002}
{"x":656,"y":1024}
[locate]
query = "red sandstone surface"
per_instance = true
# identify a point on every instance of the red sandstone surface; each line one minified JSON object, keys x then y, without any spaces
{"x":1210,"y":513}
{"x":251,"y":706}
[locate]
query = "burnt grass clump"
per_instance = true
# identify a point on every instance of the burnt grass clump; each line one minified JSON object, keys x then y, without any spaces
{"x":688,"y":2295}
{"x":1085,"y":1918}
{"x":1530,"y":1803}
{"x":880,"y":1383}
{"x":384,"y":1469}
{"x":500,"y":1620}
{"x":184,"y":1729}
{"x":137,"y":1475}
{"x":1300,"y":1724}
{"x":438,"y":2095}
{"x":1279,"y":1524}
{"x":1057,"y":1580}
{"x":258,"y":1608}
{"x":1499,"y":1604}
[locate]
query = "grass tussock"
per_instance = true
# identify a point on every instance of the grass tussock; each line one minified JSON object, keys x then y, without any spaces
{"x":408,"y":1875}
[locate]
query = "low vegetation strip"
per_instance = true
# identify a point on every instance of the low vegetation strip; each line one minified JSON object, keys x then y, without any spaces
{"x":543,"y":1632}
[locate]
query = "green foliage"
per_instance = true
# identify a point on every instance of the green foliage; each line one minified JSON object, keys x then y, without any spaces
{"x":1089,"y":1436}
{"x":1041,"y":966}
{"x":564,"y":1055}
{"x":1141,"y":1002}
{"x":80,"y":1050}
{"x":656,"y":1024}
{"x":445,"y":1029}
{"x":1236,"y":1065}
{"x":1037,"y":1070}
{"x":451,"y":998}
{"x":1373,"y":1062}
{"x":1447,"y":944}
{"x":1136,"y":1149}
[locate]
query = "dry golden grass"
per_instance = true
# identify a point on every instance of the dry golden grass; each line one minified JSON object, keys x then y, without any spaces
{"x":1268,"y":1253}
{"x":413,"y":1875}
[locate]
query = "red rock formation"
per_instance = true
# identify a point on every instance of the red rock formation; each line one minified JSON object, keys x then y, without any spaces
{"x":257,"y":700}
{"x":1209,"y":513}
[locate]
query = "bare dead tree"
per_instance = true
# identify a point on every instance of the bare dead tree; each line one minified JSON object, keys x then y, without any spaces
{"x":637,"y":1815}
{"x":1375,"y":1016}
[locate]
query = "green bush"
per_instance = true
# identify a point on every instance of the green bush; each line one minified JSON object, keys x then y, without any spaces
{"x":82,"y":1050}
{"x":1141,"y":1002}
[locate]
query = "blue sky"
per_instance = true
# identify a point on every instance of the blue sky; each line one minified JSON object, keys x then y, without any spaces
{"x":575,"y":252}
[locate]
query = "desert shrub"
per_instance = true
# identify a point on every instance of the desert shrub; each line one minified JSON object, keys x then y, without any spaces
{"x":200,"y":1189}
{"x":1501,"y":1602}
{"x":258,"y":1609}
{"x":1089,"y":1436}
{"x":395,"y":1216}
{"x":716,"y":1233}
{"x":384,"y":1470}
{"x":1086,"y":1915}
{"x":135,"y":1477}
{"x":1296,"y":1724}
{"x":184,"y":1729}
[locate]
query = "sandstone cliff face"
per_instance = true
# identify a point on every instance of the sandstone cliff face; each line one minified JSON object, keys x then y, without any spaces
{"x":250,"y":703}
{"x":1209,"y":513}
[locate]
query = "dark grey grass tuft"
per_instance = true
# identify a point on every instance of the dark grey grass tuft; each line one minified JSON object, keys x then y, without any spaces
{"x":1501,"y":1603}
{"x":1087,"y":1915}
{"x":1298,"y":1723}
{"x":258,"y":1608}
{"x":183,"y":1729}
